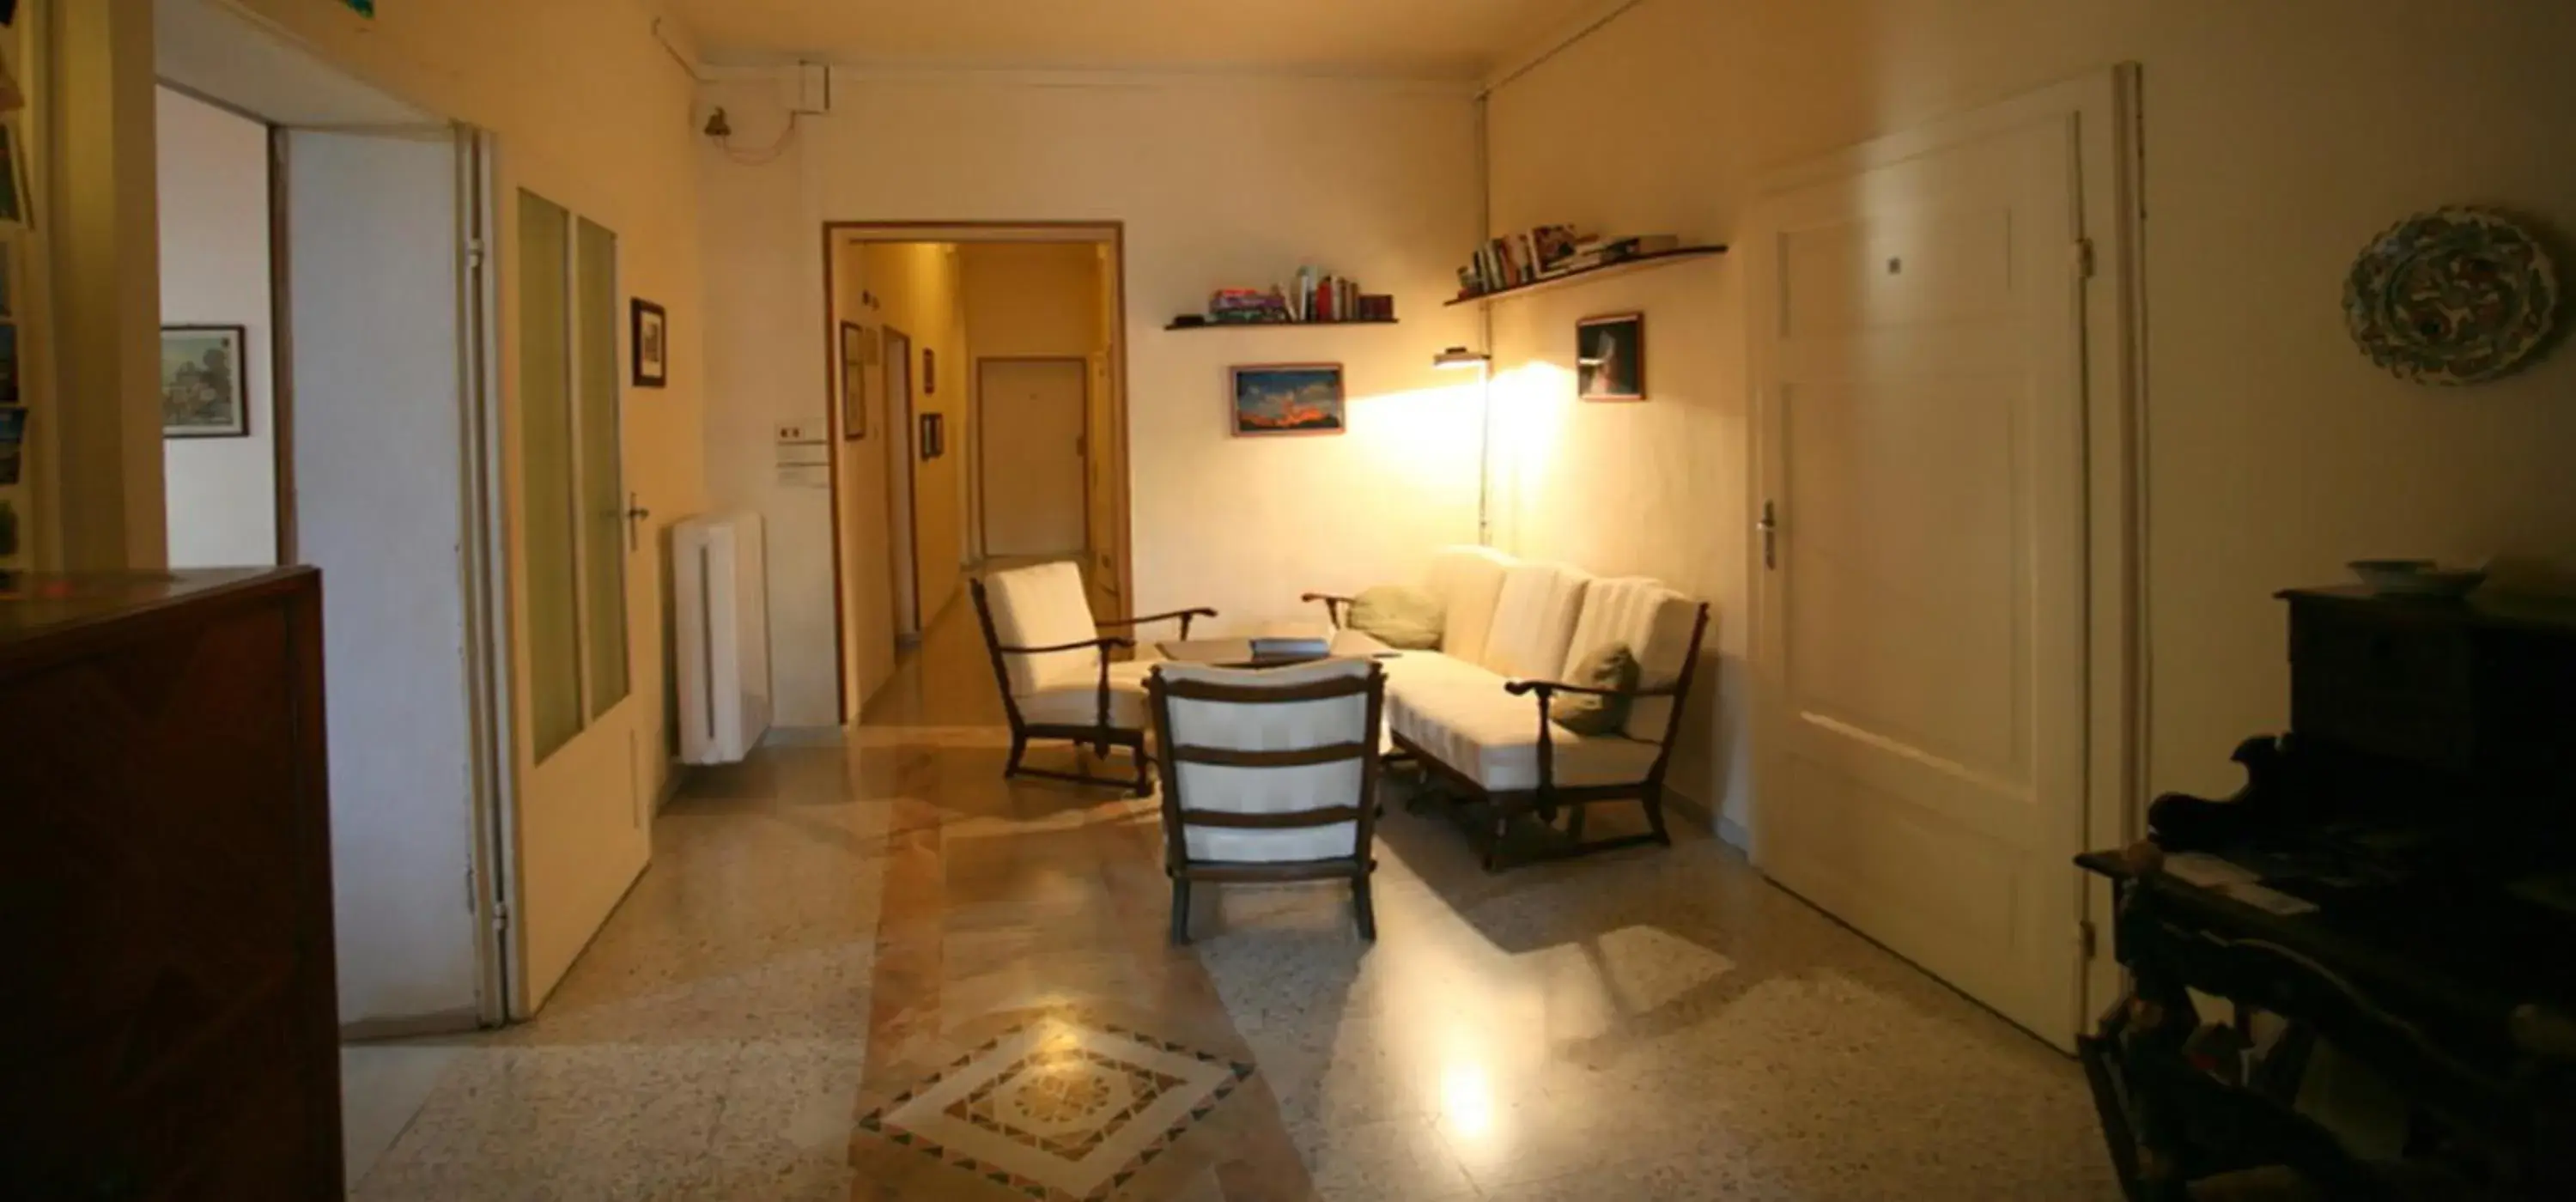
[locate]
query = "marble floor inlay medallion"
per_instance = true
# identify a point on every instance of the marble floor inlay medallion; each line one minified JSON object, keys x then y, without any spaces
{"x":1060,"y":1110}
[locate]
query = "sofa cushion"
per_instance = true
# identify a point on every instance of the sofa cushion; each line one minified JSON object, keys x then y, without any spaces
{"x":1269,"y":726}
{"x":1077,"y":703}
{"x":1534,"y":620}
{"x":1043,"y":606}
{"x":1613,"y":667}
{"x":1400,"y":616}
{"x":1490,"y":736}
{"x":1656,"y":623}
{"x":1467,"y":580}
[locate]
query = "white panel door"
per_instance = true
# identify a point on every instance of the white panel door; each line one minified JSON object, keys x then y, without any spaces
{"x":374,"y":290}
{"x":1034,"y":418}
{"x":1922,"y":623}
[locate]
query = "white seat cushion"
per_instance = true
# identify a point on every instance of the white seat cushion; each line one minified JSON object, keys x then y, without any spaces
{"x":1043,"y":606}
{"x":1467,"y":580}
{"x":1655,"y":622}
{"x":1491,"y":737}
{"x":1534,"y":620}
{"x":1269,"y":726}
{"x":1078,"y":704}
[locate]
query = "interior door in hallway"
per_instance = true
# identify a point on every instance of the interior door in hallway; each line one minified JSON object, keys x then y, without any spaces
{"x":1921,"y":625}
{"x":584,"y":804}
{"x":1034,"y":451}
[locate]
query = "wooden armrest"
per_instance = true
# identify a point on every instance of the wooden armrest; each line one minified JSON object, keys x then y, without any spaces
{"x":1548,"y":688}
{"x":1105,"y":643}
{"x":1183,"y":615}
{"x":1327,"y":597}
{"x":1336,"y":609}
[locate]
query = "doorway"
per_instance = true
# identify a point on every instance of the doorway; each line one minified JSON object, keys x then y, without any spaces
{"x":961,"y":477}
{"x":1031,"y":459}
{"x":1945,"y":618}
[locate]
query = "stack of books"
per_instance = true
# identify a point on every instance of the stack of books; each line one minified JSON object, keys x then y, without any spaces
{"x":1313,"y":297}
{"x":1549,"y":251}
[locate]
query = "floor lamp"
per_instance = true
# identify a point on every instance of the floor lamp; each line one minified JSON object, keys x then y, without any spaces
{"x":1459,"y":358}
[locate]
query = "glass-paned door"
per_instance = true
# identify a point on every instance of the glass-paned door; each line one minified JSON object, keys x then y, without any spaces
{"x":583,"y":817}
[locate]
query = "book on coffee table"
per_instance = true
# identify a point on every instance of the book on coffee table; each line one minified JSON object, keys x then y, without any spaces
{"x":1292,"y":640}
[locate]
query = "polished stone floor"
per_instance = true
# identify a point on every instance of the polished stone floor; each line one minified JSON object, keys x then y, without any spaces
{"x":875,"y":971}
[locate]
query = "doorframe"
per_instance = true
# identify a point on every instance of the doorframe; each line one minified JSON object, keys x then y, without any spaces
{"x":983,"y":470}
{"x":2112,"y":304}
{"x":905,"y":437}
{"x":1112,"y":234}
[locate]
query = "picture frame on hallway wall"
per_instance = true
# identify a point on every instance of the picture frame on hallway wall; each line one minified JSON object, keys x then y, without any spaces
{"x":929,"y":372}
{"x":1610,"y":357}
{"x":934,"y":436}
{"x":855,"y":343}
{"x":205,"y":382}
{"x":1268,"y":399}
{"x":651,"y":347}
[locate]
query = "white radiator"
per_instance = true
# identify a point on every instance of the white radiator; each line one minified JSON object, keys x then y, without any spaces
{"x":723,"y":603}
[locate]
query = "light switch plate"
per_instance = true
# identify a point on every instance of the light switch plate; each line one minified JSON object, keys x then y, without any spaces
{"x":793,"y":432}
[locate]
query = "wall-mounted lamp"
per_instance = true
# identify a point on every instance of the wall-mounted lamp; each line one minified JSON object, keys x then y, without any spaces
{"x":1459,"y":358}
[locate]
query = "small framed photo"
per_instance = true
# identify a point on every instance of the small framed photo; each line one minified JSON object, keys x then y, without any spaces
{"x":652,"y":345}
{"x":205,"y":384}
{"x":854,"y":380}
{"x":1287,"y":398}
{"x":934,"y":435}
{"x":1610,"y":357}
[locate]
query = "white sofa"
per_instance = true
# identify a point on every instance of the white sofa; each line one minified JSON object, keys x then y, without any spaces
{"x":1474,"y":712}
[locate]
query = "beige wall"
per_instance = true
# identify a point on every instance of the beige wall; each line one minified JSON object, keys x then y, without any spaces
{"x":2278,"y":137}
{"x":867,"y":571}
{"x":588,"y":107}
{"x":920,"y":290}
{"x":1218,"y":181}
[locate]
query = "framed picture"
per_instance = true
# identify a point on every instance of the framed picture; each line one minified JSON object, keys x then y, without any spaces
{"x":854,"y":380}
{"x":1287,"y":398}
{"x":205,"y":386}
{"x":934,"y":435}
{"x":929,"y":371}
{"x":652,"y":345}
{"x":1610,"y":357}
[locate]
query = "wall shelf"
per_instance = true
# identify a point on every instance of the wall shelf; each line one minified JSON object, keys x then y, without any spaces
{"x":1661,"y":258}
{"x":1281,"y":325}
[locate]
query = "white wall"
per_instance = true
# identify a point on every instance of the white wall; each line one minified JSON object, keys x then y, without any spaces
{"x":221,"y":492}
{"x":1219,"y":181}
{"x":2279,"y":137}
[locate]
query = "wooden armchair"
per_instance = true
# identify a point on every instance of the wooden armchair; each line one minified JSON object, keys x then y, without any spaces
{"x":1269,"y":776}
{"x":1056,"y":672}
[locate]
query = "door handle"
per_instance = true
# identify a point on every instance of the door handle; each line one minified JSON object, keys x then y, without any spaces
{"x":1769,"y":527}
{"x":636,"y":515}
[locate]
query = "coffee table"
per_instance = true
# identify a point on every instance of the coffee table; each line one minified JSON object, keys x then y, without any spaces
{"x":1237,"y":653}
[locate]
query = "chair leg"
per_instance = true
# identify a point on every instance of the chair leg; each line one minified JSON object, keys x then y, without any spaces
{"x":1144,"y":774}
{"x":1180,"y":910}
{"x":1019,"y":749}
{"x":1365,"y":907}
{"x":1655,"y":816}
{"x":1574,"y":823}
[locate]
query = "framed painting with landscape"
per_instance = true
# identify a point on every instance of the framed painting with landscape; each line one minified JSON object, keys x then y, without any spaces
{"x":205,"y":385}
{"x":1288,"y":398}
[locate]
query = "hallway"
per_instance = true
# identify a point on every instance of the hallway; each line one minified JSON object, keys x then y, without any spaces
{"x":878,"y":972}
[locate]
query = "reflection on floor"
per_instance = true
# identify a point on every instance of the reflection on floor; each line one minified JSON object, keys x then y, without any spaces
{"x":878,"y":972}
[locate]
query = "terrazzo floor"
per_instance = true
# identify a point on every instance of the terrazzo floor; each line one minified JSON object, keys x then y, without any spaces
{"x":876,"y":971}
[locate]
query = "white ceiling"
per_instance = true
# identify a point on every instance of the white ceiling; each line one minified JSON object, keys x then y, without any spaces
{"x":1448,"y":39}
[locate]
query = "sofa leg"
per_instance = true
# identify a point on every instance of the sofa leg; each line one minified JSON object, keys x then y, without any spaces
{"x":1574,"y":823}
{"x":1655,"y":816}
{"x":1364,"y":908}
{"x":1144,"y":774}
{"x":1494,"y":848}
{"x":1180,"y":911}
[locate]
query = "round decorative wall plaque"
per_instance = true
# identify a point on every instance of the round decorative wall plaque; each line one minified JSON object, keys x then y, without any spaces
{"x":2453,"y":296}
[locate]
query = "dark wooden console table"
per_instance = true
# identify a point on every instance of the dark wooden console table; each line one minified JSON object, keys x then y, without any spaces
{"x":2397,"y":883}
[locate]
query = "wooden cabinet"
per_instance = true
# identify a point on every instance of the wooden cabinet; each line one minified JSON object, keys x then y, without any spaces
{"x":169,"y":1027}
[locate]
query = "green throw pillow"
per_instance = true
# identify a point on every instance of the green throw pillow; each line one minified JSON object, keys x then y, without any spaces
{"x":1613,"y":666}
{"x":1400,"y":616}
